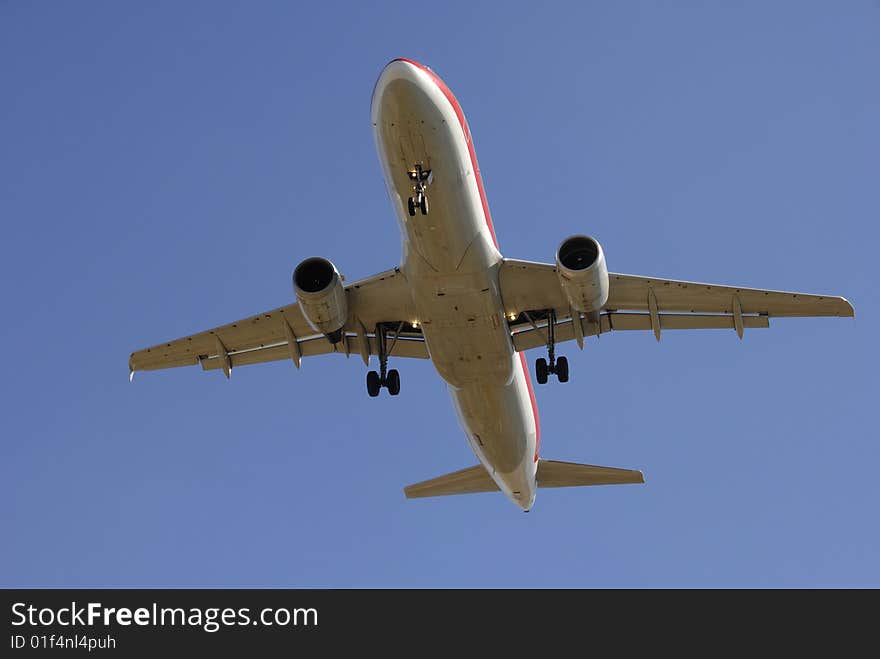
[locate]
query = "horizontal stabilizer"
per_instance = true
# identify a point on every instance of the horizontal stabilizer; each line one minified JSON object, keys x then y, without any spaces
{"x":465,"y":481}
{"x":553,"y":473}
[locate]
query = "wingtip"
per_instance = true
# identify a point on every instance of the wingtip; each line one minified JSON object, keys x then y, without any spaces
{"x":410,"y":492}
{"x":849,"y":310}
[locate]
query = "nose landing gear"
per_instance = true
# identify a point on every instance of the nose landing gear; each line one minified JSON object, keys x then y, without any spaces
{"x":558,"y":367}
{"x":421,"y":179}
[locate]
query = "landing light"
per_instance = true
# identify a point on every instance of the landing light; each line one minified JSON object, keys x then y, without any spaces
{"x":512,"y":316}
{"x":415,"y":323}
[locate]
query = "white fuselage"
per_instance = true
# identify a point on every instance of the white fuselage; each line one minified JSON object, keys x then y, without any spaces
{"x":451,"y":262}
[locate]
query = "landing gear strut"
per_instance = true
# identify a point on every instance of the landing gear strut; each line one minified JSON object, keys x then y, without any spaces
{"x":559,"y":367}
{"x":421,"y":179}
{"x":384,"y":378}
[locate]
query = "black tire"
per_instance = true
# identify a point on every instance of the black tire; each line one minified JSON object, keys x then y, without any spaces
{"x":393,"y":382}
{"x":423,"y":205}
{"x":541,"y":370}
{"x":373,"y":384}
{"x":412,"y":207}
{"x":562,"y":369}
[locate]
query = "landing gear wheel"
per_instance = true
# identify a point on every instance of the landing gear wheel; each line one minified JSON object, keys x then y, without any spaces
{"x":541,"y":370}
{"x":421,"y":179}
{"x":562,"y":369}
{"x":373,"y":384}
{"x":393,"y":382}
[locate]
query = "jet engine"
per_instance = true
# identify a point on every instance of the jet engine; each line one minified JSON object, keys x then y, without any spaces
{"x":321,"y":297}
{"x":580,"y":266}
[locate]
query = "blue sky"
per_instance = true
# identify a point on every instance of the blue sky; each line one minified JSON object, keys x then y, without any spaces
{"x":165,"y":166}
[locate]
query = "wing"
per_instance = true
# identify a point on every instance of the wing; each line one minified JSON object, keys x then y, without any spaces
{"x":634,"y":292}
{"x":531,"y":289}
{"x":284,"y":333}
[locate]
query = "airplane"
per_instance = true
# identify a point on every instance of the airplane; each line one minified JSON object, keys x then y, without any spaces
{"x":455,"y":300}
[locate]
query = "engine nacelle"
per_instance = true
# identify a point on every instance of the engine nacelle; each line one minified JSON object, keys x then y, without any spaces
{"x":580,"y":266}
{"x":321,"y":297}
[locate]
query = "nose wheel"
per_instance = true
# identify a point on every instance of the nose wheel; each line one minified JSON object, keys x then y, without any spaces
{"x":421,"y":179}
{"x":390,"y":379}
{"x":551,"y":365}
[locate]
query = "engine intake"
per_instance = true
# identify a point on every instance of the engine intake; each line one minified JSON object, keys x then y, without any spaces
{"x":583,"y":275}
{"x":321,"y":297}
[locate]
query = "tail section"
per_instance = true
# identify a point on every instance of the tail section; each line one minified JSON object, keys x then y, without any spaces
{"x":551,"y":473}
{"x":464,"y":481}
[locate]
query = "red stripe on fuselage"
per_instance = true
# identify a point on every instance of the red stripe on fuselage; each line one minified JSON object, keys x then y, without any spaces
{"x":522,"y":361}
{"x":467,"y":135}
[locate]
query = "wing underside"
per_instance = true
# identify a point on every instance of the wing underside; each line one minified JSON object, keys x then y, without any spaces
{"x":531,"y":292}
{"x":284,"y":333}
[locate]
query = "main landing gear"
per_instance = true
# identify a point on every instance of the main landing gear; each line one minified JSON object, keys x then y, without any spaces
{"x":421,"y":179}
{"x":384,"y":378}
{"x":559,"y":367}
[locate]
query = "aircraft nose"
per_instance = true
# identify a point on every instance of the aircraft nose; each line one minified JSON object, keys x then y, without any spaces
{"x":409,"y":62}
{"x":404,"y":77}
